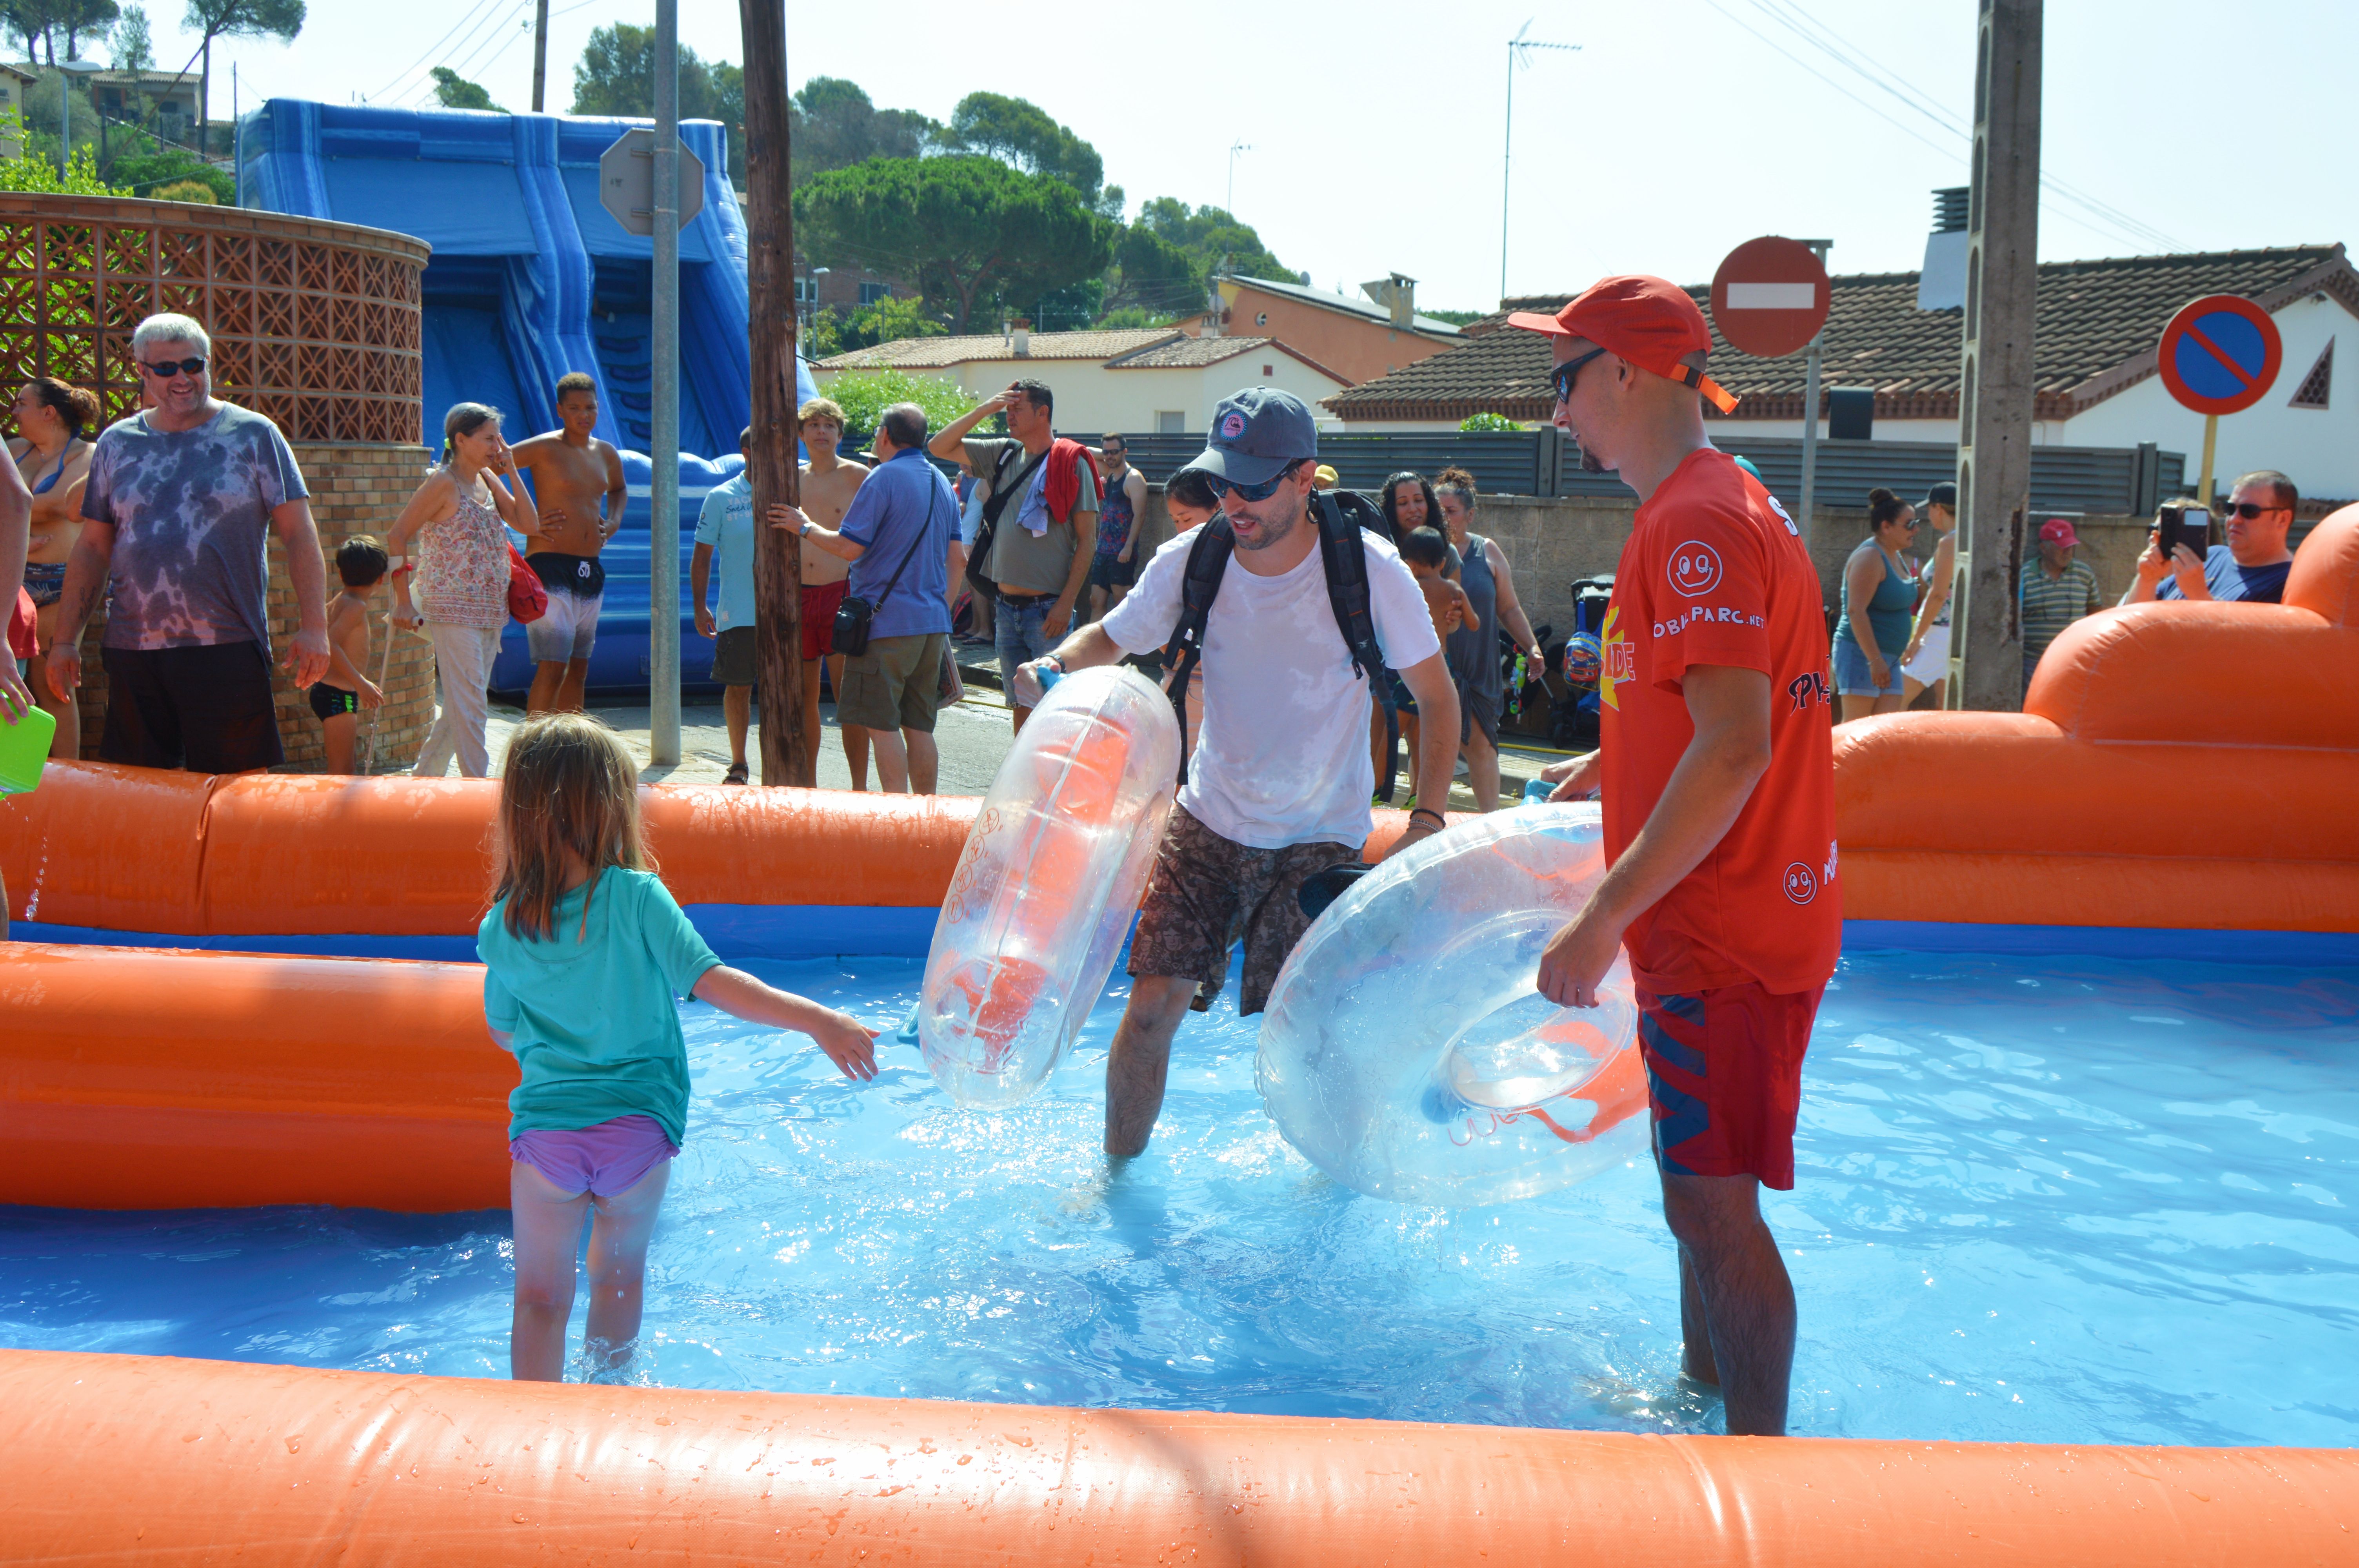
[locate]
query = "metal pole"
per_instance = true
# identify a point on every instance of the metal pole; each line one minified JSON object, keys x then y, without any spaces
{"x":1995,"y":373}
{"x":663,"y":530}
{"x":2211,"y":442}
{"x":1810,"y":410}
{"x":539,"y":53}
{"x":65,"y":125}
{"x":1507,"y":157}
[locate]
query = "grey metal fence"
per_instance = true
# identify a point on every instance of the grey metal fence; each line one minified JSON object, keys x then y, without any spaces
{"x":2100,"y":480}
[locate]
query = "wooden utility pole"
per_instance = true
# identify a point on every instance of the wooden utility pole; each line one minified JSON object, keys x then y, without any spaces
{"x":1996,"y":385}
{"x":539,"y":53}
{"x":770,"y":300}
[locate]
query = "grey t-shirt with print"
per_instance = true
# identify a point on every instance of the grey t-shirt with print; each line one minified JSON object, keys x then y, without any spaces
{"x":1033,"y":564}
{"x":190,"y":511}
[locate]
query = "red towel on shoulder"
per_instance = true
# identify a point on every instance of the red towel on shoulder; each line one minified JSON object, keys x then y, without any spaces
{"x":1065,"y":457}
{"x":20,"y":627}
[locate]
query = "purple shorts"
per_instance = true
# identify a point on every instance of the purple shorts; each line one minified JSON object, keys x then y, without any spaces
{"x":605,"y":1161}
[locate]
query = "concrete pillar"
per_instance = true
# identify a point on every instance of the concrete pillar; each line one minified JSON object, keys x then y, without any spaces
{"x":1995,"y":377}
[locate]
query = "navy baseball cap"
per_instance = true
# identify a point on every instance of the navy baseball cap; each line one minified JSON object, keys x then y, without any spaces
{"x":1942,"y":494}
{"x":1256,"y":433}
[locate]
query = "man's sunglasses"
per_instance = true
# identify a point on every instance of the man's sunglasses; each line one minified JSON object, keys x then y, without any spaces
{"x":1563,"y":375}
{"x":1249,"y":492}
{"x":171,"y":368}
{"x":2246,"y":510}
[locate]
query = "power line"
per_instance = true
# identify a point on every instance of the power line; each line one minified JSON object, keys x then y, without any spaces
{"x":482,"y":39}
{"x":464,"y":18}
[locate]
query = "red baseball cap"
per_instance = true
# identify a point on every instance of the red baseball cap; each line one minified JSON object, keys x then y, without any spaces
{"x":2057,"y":531}
{"x":1647,"y":320}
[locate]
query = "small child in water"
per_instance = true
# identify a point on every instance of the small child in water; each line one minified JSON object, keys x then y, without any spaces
{"x":1426,"y":553}
{"x":584,"y":951}
{"x":338,"y":697}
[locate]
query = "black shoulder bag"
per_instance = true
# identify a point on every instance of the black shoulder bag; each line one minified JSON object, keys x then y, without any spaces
{"x":853,"y":616}
{"x":994,"y":504}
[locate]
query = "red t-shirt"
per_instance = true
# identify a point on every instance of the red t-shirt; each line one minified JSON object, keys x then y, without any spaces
{"x":1715,"y":573}
{"x":21,"y":644}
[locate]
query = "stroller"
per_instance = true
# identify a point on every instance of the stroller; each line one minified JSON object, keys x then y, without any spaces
{"x":1572,"y":717}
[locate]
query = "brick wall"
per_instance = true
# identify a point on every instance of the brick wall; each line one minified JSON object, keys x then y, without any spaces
{"x":354,"y":490}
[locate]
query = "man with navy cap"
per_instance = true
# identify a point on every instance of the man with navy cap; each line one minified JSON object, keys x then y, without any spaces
{"x":1278,"y":787}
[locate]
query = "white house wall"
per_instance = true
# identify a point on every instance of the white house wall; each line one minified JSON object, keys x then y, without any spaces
{"x":1092,"y":399}
{"x":2317,"y":448}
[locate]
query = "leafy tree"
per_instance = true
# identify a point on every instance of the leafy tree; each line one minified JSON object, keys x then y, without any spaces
{"x":76,"y":18}
{"x":453,"y":90}
{"x":36,"y":173}
{"x":129,"y":43}
{"x":210,"y":19}
{"x":195,"y":190}
{"x":1455,"y":317}
{"x":967,"y":230}
{"x":834,"y":125}
{"x":1020,"y":133}
{"x":616,"y":75}
{"x":888,"y":320}
{"x":1480,"y":423}
{"x":864,"y":394}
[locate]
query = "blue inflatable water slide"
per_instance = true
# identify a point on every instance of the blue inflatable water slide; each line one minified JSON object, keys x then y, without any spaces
{"x":532,"y":279}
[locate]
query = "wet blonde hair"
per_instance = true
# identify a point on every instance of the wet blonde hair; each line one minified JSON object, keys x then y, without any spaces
{"x":567,"y":784}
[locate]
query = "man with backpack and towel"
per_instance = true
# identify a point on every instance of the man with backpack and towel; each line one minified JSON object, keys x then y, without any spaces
{"x":1293,"y":613}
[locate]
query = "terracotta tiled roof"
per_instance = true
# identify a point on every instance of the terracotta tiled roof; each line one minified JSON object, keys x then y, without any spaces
{"x":940,"y":353}
{"x":2093,"y":336}
{"x":1178,"y":352}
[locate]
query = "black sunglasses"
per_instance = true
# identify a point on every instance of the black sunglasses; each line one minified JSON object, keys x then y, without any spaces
{"x":171,"y":368}
{"x":2246,"y":510}
{"x":1262,"y":491}
{"x":1562,"y":376}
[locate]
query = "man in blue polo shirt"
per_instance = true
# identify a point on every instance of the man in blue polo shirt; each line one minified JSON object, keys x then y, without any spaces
{"x":901,"y":536}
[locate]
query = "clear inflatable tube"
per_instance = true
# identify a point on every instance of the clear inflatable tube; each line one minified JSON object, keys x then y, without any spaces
{"x":1052,"y":872}
{"x":1407,"y":1052}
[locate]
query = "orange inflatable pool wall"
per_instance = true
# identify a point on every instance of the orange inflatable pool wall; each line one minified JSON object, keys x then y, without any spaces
{"x":2187,"y":766}
{"x":139,"y":1460}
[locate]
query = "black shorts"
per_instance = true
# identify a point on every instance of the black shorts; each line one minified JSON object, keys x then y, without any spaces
{"x":1107,"y":572}
{"x":737,"y":657}
{"x":332,"y":701}
{"x":208,"y":710}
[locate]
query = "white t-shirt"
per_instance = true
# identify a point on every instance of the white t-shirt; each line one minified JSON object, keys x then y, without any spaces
{"x":1282,"y":757}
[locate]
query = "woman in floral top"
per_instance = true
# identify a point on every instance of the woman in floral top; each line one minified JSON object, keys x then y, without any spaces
{"x":462,"y":577}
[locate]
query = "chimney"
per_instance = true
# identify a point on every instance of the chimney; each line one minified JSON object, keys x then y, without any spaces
{"x":1941,"y":285}
{"x":1396,"y":294}
{"x":1022,"y":339}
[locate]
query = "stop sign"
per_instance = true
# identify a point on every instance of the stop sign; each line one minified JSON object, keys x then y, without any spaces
{"x":1769,"y":296}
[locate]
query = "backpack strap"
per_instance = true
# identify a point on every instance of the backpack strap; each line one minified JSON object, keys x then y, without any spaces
{"x":1345,"y":555}
{"x":1208,"y":562}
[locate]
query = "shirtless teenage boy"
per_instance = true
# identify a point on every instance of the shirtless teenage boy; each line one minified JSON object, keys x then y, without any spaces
{"x":829,"y":484}
{"x":577,"y":484}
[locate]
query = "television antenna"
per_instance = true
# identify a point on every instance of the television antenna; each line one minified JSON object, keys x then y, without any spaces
{"x":1519,"y":49}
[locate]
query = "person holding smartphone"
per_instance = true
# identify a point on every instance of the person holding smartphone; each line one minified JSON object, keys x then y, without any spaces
{"x":2250,"y":568}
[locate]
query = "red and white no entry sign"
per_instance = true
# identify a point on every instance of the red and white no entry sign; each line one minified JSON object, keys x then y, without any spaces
{"x":1769,"y":296}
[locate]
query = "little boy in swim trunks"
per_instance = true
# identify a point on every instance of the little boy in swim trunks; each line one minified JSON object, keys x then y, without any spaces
{"x":338,"y":697}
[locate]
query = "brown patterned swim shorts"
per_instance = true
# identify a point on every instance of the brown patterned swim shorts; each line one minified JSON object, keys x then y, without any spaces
{"x":1207,"y":889}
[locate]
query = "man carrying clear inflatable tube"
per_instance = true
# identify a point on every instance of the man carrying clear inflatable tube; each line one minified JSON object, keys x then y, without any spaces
{"x":1716,"y":772}
{"x":1278,"y":787}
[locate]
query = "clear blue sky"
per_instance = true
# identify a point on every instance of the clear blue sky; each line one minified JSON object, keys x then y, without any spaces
{"x":1674,"y":134}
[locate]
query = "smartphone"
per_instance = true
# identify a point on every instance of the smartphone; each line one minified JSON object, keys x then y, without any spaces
{"x":2189,"y":526}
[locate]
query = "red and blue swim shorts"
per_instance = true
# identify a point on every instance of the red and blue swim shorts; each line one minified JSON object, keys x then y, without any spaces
{"x":1724,"y":1076}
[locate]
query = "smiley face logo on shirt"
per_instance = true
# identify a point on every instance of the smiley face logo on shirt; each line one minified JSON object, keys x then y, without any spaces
{"x":1801,"y":883}
{"x":1694,"y":569}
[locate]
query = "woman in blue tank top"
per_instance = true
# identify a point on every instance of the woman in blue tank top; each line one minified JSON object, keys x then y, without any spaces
{"x":1879,"y":591}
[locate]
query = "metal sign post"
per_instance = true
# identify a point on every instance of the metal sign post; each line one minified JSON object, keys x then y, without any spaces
{"x":663,"y":499}
{"x":2218,"y":354}
{"x":1770,"y":297}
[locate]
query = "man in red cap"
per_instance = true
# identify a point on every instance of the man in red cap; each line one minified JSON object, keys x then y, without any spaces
{"x":1717,"y":774}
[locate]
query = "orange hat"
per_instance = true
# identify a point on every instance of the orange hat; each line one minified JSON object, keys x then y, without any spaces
{"x":1645,"y":320}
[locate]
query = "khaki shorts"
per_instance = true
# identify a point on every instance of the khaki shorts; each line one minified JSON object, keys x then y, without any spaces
{"x":895,"y":685}
{"x":1207,"y":888}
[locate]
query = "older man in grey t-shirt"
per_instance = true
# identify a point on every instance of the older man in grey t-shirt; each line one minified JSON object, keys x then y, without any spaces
{"x":179,"y":499}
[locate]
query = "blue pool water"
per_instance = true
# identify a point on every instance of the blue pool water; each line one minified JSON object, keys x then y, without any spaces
{"x":2072,"y":1201}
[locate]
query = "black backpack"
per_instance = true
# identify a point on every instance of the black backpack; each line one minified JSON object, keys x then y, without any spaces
{"x":1342,"y":515}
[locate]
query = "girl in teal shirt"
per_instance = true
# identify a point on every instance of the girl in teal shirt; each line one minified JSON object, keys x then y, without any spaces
{"x":584,"y":952}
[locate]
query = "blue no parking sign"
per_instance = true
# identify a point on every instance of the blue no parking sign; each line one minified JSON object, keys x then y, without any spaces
{"x":2220,"y":354}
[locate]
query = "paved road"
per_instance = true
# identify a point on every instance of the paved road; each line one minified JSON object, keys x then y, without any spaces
{"x":974,"y":736}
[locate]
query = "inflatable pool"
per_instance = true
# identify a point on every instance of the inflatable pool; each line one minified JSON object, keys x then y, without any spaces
{"x":2153,"y":792}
